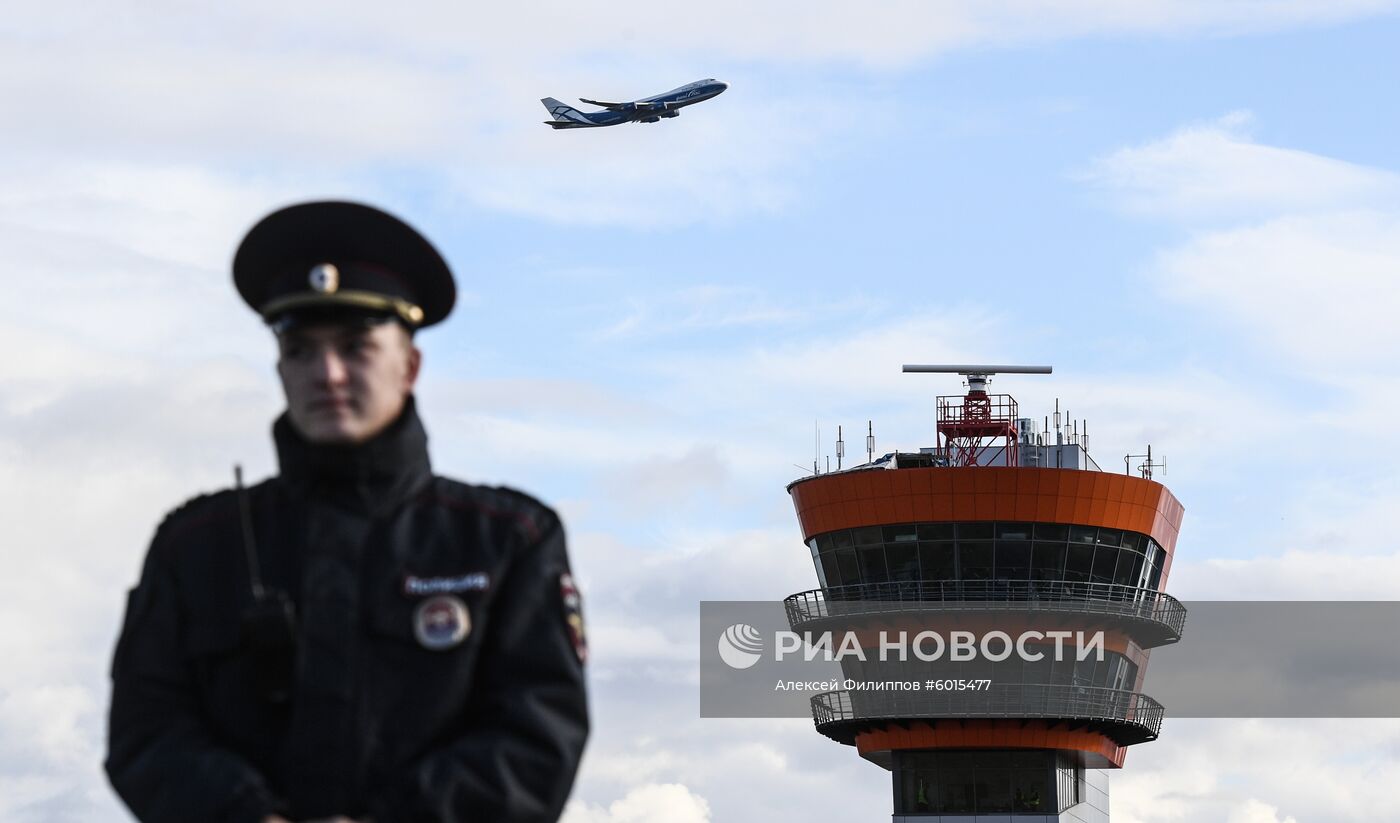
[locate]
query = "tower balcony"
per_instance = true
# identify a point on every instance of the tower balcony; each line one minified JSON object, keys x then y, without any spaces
{"x":1123,"y":717}
{"x":1152,"y":618}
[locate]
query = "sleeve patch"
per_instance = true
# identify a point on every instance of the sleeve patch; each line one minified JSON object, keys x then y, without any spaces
{"x":573,"y":615}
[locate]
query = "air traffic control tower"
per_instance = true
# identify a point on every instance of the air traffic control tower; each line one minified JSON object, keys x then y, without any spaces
{"x":1002,"y":524}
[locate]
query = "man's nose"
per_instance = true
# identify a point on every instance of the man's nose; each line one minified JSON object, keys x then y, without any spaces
{"x":330,"y":367}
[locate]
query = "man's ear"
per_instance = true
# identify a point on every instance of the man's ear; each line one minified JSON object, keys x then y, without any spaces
{"x":415,"y":362}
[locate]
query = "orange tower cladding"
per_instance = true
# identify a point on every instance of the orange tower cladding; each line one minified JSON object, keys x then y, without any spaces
{"x":998,"y":527}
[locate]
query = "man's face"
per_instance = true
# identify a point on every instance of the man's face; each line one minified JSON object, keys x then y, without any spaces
{"x":345,"y":383}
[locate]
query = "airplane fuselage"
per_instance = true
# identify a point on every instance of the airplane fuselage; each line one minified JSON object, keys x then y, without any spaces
{"x":646,"y":110}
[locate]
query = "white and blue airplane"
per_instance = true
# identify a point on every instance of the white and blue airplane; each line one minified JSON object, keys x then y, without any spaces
{"x":646,"y":110}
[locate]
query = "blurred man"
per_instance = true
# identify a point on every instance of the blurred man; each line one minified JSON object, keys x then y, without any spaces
{"x":355,"y":639}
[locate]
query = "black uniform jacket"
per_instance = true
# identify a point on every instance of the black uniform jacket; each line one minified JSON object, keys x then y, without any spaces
{"x":375,"y":724}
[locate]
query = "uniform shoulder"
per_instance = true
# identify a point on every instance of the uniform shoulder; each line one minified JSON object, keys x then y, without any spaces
{"x":207,"y":509}
{"x":533,"y":516}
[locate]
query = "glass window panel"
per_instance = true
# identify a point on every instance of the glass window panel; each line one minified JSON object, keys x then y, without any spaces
{"x":1029,"y":760}
{"x":1039,"y":671}
{"x":975,"y":559}
{"x":868,"y":536}
{"x":846,"y":562}
{"x":1048,"y":561}
{"x":1092,"y":671}
{"x":1129,"y":566}
{"x":1013,"y":531}
{"x":935,"y":531}
{"x":1132,"y":540}
{"x":833,"y":574}
{"x":993,"y":790}
{"x":841,"y":539}
{"x":957,"y":790}
{"x":1105,"y":559}
{"x":904,"y":561}
{"x":1013,"y":560}
{"x":1079,"y":562}
{"x":1051,"y":531}
{"x":937,"y":561}
{"x":872,"y":565}
{"x":974,"y":531}
{"x":918,"y":790}
{"x":1067,"y":785}
{"x":902,"y":532}
{"x":1030,"y":787}
{"x":981,"y":760}
{"x":1129,"y":674}
{"x":1156,"y":569}
{"x":1083,"y":534}
{"x":813,"y":545}
{"x":1111,"y":537}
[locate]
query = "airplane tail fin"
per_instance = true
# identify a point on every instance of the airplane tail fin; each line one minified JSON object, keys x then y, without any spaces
{"x":564,"y":115}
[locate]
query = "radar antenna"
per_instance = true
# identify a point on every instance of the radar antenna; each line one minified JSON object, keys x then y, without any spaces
{"x":977,"y":429}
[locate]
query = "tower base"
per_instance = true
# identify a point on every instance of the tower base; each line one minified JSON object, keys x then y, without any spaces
{"x":993,"y":786}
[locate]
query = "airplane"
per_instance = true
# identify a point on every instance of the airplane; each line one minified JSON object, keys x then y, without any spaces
{"x":646,"y":110}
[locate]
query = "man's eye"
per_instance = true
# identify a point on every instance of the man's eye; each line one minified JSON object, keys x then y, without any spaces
{"x":293,"y":352}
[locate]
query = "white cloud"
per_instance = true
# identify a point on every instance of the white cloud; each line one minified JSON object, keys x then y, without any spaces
{"x":1289,"y":575}
{"x":1319,"y":290}
{"x":1293,"y":254}
{"x":698,"y":308}
{"x":1215,"y":171}
{"x":450,"y":92}
{"x":1295,"y":249}
{"x":671,"y":802}
{"x":1257,"y":811}
{"x":1256,"y":770}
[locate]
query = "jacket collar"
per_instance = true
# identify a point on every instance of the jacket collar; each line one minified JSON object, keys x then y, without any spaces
{"x":375,"y":475}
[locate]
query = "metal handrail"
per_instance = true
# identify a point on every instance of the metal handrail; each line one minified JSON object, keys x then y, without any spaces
{"x":982,"y":595}
{"x":1007,"y":700}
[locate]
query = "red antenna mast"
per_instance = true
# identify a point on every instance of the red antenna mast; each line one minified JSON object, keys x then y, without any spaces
{"x":975,"y":428}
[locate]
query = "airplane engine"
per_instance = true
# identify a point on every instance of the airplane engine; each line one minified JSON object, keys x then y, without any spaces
{"x":651,"y":120}
{"x":670,"y":114}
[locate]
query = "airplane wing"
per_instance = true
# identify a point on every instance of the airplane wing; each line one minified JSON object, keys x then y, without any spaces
{"x":640,"y":105}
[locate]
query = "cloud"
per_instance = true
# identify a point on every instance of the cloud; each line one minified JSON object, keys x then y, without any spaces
{"x":704,"y":308}
{"x":339,"y":103}
{"x":1294,"y":250}
{"x":1252,"y":772}
{"x":1213,"y":171}
{"x":1288,"y":575}
{"x":1319,"y":291}
{"x":1292,"y":255}
{"x":1257,"y":811}
{"x":447,"y":96}
{"x":671,"y":802}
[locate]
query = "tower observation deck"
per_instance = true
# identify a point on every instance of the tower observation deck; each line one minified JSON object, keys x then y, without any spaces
{"x":1001,"y":526}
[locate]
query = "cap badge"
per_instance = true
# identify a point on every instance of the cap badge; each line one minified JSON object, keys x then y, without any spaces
{"x":441,"y":622}
{"x":325,"y":278}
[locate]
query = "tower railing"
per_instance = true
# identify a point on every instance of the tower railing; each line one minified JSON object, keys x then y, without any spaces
{"x":900,"y":597}
{"x":1129,"y":717}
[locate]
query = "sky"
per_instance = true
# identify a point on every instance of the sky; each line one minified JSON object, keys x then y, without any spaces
{"x":1191,"y":209}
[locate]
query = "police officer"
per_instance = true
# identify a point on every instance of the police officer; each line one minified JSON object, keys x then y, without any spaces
{"x":355,"y":639}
